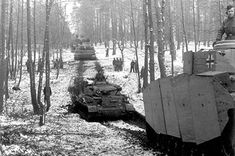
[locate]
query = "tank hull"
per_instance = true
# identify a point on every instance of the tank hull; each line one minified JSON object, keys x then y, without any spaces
{"x":99,"y":101}
{"x":190,"y":110}
{"x":84,"y":55}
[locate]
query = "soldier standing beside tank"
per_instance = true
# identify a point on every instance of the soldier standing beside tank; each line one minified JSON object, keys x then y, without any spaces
{"x":228,"y":26}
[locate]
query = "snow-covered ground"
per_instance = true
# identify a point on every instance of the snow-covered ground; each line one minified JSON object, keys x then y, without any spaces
{"x":67,"y":134}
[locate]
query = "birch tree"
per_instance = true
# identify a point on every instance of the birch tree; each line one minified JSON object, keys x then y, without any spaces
{"x":136,"y":46}
{"x":3,"y":8}
{"x":31,"y":69}
{"x":160,"y":39}
{"x":46,"y":49}
{"x":151,"y":44}
{"x":183,"y":26}
{"x":145,"y":16}
{"x":21,"y":43}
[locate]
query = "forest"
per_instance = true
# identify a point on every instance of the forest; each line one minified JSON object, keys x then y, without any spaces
{"x":40,"y":29}
{"x":153,"y":25}
{"x":35,"y":34}
{"x":25,"y":32}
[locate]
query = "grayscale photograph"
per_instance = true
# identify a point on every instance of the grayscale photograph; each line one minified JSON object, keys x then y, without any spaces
{"x":117,"y":78}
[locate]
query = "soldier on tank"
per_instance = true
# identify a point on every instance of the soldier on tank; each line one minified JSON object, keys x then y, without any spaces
{"x":228,"y":26}
{"x":100,"y":76}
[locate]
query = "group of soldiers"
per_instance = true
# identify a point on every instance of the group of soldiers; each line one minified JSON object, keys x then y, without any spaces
{"x":118,"y":64}
{"x":56,"y":63}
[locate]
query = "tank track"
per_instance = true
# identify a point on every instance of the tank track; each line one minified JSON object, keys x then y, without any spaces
{"x":172,"y":146}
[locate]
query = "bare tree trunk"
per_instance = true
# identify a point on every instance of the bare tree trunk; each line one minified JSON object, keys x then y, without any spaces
{"x":183,"y":24}
{"x":3,"y":9}
{"x":121,"y":33}
{"x":151,"y":46}
{"x":145,"y":78}
{"x":46,"y":49}
{"x":136,"y":46}
{"x":31,"y":73}
{"x":171,"y":39}
{"x":160,"y":39}
{"x":34,"y":36}
{"x":10,"y":44}
{"x":194,"y":26}
{"x":199,"y":23}
{"x":9,"y":48}
{"x":100,"y":30}
{"x":114,"y":27}
{"x":41,"y":70}
{"x":22,"y":42}
{"x":17,"y":36}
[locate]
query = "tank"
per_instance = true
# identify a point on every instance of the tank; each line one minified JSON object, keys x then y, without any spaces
{"x":96,"y":99}
{"x":194,"y":113}
{"x":83,"y":49}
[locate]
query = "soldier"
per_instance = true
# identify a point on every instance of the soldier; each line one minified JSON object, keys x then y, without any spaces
{"x":61,"y":63}
{"x":132,"y":66}
{"x":27,"y":65}
{"x":107,"y":52}
{"x":136,"y":67}
{"x":114,"y":62}
{"x":45,"y":97}
{"x":227,"y":27}
{"x":118,"y":64}
{"x":142,"y":72}
{"x":100,"y":76}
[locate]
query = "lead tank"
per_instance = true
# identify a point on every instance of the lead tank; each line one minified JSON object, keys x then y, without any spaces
{"x":98,"y":100}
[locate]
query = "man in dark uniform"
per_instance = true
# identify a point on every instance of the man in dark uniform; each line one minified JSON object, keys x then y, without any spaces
{"x":28,"y":66}
{"x":142,"y":72}
{"x":100,"y":76}
{"x":228,"y":26}
{"x":132,"y":66}
{"x":45,"y":90}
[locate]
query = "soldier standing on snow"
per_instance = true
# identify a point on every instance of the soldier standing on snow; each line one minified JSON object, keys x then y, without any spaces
{"x":107,"y":52}
{"x":132,"y":66}
{"x":136,"y":67}
{"x":114,"y":64}
{"x":142,"y":72}
{"x":45,"y":90}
